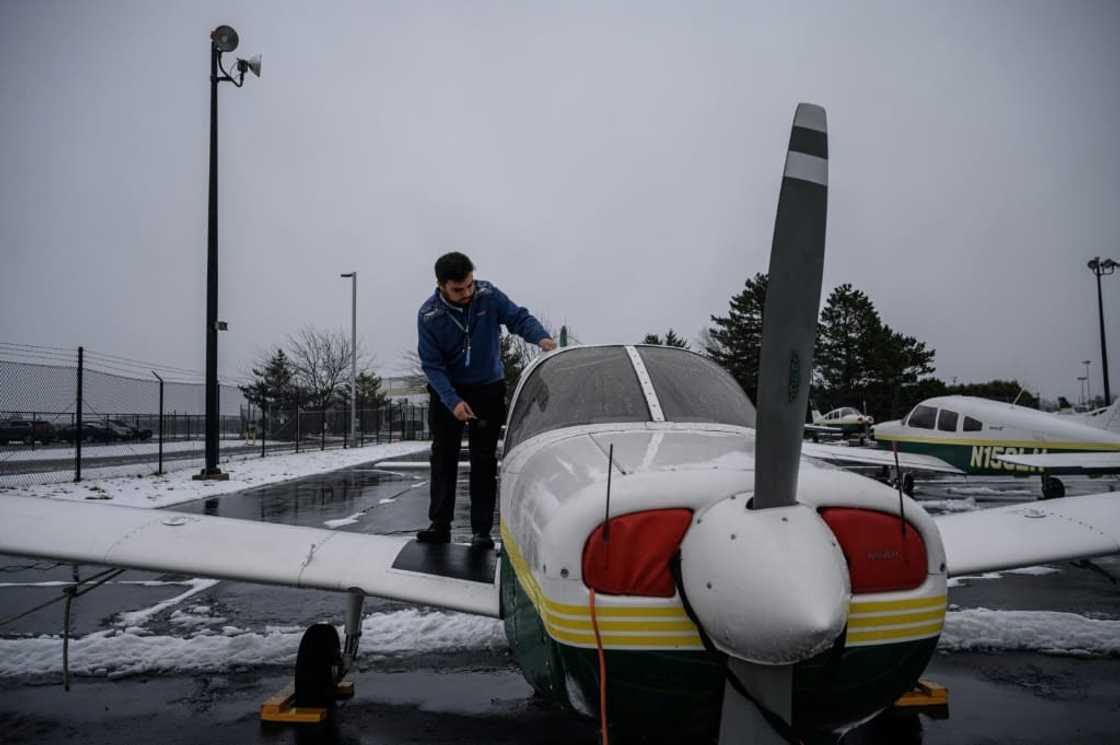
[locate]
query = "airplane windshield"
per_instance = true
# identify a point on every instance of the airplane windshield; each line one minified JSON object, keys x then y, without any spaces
{"x":693,"y":389}
{"x":848,"y":411}
{"x":922,"y":417}
{"x":580,"y":386}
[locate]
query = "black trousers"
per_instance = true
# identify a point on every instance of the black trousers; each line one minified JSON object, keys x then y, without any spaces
{"x":488,"y":401}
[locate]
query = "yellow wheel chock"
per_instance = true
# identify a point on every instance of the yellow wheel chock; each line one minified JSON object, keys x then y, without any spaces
{"x":927,"y":697}
{"x":279,"y":708}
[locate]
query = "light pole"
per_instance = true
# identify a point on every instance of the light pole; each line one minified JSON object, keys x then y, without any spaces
{"x":1088,"y":383}
{"x":1081,"y":381}
{"x":1099,"y":267}
{"x":222,"y":39}
{"x":353,"y":355}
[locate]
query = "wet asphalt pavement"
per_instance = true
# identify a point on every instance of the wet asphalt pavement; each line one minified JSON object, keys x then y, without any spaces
{"x":479,"y":696}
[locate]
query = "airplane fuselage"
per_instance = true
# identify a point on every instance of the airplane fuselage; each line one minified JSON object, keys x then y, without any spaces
{"x":659,"y":673}
{"x":983,"y":430}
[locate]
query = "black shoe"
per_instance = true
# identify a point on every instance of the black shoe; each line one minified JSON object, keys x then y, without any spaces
{"x":482,"y":540}
{"x":434,"y":533}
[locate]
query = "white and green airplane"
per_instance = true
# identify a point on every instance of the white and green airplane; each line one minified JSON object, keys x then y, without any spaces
{"x":670,"y":562}
{"x":990,"y":438}
{"x":845,"y":421}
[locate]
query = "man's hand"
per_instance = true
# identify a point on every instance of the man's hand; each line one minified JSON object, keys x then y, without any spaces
{"x":463,"y":412}
{"x":547,"y":344}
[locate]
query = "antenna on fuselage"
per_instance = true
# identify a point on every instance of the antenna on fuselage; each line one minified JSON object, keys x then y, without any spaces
{"x":607,"y":516}
{"x":898,"y":482}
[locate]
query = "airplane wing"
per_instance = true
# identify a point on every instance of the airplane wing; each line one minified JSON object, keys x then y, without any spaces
{"x":872,"y":457}
{"x":1036,"y":533}
{"x":1061,"y":463}
{"x":449,"y":576}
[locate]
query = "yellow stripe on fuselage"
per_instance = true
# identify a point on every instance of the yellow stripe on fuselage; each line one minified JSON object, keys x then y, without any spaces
{"x":878,"y":606}
{"x":892,"y":636}
{"x":659,"y":627}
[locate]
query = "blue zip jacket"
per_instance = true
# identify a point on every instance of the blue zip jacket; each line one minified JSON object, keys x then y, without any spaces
{"x":460,"y":345}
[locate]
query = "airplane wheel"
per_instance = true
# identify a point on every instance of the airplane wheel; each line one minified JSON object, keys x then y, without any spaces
{"x":317,"y":664}
{"x":908,"y":484}
{"x":1053,"y":488}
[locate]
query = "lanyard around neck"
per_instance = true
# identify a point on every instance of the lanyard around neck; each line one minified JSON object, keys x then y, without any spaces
{"x":466,"y":329}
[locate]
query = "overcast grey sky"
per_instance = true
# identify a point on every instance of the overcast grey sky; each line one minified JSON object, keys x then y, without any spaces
{"x":613,"y":166}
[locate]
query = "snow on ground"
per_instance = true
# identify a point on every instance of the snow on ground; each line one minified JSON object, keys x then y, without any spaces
{"x":964,"y":579}
{"x":1049,"y":632}
{"x":178,"y":487}
{"x":212,"y":646}
{"x":967,"y":504}
{"x":131,"y":650}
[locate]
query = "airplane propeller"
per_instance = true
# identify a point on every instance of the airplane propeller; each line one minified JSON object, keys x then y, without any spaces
{"x":765,"y":578}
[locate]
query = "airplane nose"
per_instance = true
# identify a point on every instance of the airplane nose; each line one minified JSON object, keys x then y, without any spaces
{"x":768,"y":586}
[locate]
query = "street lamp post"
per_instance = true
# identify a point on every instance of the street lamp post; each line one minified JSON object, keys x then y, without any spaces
{"x":222,"y":39}
{"x":1099,"y":267}
{"x":1081,"y":381}
{"x":1088,"y":383}
{"x":353,"y":355}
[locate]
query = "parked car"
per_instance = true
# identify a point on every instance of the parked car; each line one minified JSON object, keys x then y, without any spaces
{"x":126,"y":431}
{"x":92,"y":431}
{"x":26,"y":431}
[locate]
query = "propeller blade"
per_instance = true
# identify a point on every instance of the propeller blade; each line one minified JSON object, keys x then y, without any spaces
{"x":757,"y":705}
{"x":789,"y":323}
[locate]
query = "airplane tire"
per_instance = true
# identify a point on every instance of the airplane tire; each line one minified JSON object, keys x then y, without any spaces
{"x":1053,"y":488}
{"x":317,"y":664}
{"x":908,"y":484}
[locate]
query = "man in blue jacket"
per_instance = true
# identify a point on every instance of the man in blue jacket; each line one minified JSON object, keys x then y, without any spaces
{"x":459,"y":350}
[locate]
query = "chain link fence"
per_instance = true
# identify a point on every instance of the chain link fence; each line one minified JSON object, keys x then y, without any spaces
{"x":68,"y":422}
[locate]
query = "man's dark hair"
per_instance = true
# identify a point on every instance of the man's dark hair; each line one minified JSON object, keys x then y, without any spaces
{"x":453,"y":267}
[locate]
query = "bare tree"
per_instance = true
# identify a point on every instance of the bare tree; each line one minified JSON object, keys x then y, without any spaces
{"x":322,"y":364}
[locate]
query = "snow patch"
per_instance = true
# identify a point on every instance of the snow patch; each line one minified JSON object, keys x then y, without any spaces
{"x":1048,"y":632}
{"x":178,"y":487}
{"x":118,"y":652}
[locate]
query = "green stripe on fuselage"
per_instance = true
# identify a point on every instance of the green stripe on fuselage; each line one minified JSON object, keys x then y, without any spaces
{"x":978,"y":457}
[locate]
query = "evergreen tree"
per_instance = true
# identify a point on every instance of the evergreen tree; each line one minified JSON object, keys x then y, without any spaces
{"x":272,"y":382}
{"x":671,"y":340}
{"x":370,"y":395}
{"x":897,"y":364}
{"x":735,"y":340}
{"x":847,"y":335}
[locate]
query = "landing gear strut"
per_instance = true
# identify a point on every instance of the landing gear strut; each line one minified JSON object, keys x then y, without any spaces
{"x":1052,"y":488}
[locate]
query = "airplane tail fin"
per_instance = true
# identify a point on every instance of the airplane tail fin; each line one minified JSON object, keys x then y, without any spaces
{"x":816,"y":415}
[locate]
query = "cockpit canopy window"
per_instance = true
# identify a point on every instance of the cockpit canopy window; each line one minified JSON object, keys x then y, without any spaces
{"x":947,"y":421}
{"x":922,"y":417}
{"x":972,"y":425}
{"x":582,"y":386}
{"x":848,"y":411}
{"x":693,"y":389}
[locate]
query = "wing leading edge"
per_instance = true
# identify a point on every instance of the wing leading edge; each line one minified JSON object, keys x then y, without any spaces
{"x":1037,"y":533}
{"x":245,"y":551}
{"x":870,"y":457}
